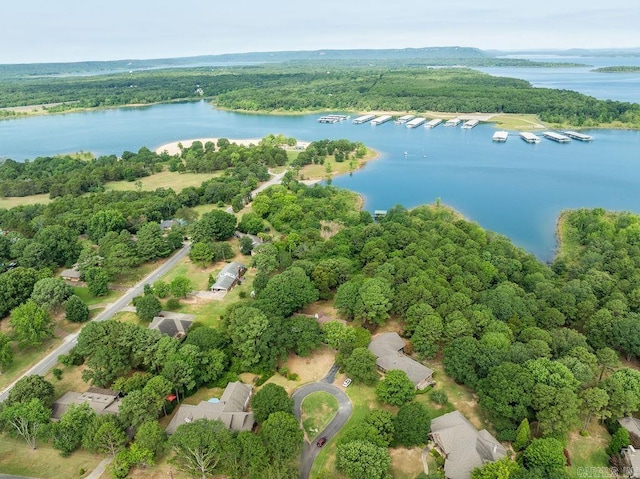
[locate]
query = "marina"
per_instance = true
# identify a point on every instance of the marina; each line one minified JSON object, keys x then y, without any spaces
{"x":404,"y":119}
{"x":500,"y":136}
{"x":578,"y":136}
{"x":470,"y":124}
{"x":557,"y":137}
{"x":416,"y":122}
{"x":433,"y":123}
{"x":363,"y":119}
{"x":381,"y":119}
{"x":332,"y":118}
{"x":453,"y":122}
{"x":530,"y":137}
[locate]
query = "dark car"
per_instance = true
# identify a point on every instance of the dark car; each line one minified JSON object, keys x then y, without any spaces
{"x":322,"y":441}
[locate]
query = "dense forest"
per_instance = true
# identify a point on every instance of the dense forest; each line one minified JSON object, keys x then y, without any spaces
{"x":301,"y":87}
{"x":618,"y":69}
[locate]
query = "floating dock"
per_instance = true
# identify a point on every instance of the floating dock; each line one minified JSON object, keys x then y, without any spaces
{"x":404,"y":119}
{"x":500,"y":136}
{"x":433,"y":123}
{"x":363,"y":119}
{"x":557,"y":137}
{"x":578,"y":136}
{"x":529,"y":137}
{"x":453,"y":122}
{"x":332,"y":118}
{"x":416,"y":122}
{"x":470,"y":124}
{"x":381,"y":119}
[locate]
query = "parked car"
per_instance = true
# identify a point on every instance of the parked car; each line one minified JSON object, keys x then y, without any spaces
{"x":322,"y":441}
{"x":346,"y":382}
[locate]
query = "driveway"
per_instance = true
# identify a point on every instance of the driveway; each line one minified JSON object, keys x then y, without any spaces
{"x":310,"y":451}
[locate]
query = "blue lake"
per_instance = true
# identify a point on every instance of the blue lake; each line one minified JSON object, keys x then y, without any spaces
{"x":514,"y":188}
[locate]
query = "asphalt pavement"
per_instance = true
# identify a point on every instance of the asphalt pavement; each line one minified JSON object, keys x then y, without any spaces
{"x":310,"y":450}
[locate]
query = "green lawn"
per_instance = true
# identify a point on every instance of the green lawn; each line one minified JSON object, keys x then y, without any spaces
{"x":588,"y":451}
{"x":13,"y":201}
{"x":165,"y":179}
{"x":90,"y":299}
{"x":44,"y":462}
{"x":318,"y":409}
{"x":24,"y":358}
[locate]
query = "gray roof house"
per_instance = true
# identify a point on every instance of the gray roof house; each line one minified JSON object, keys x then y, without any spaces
{"x":171,"y":326}
{"x":102,"y":401}
{"x":463,"y":446}
{"x":630,"y":454}
{"x":230,"y":409}
{"x":229,"y":276}
{"x":631,"y":424}
{"x":70,"y":275}
{"x":388,"y":348}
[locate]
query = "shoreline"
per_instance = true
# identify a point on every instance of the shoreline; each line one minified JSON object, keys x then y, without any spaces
{"x":172,"y":148}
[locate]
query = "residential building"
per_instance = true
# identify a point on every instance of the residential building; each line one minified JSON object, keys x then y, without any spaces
{"x":102,"y":401}
{"x":389,"y":351}
{"x":230,"y":275}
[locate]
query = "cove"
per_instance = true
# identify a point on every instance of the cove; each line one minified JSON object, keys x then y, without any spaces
{"x":516,"y":189}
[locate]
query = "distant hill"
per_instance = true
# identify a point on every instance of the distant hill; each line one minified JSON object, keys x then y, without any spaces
{"x":572,"y":52}
{"x":428,"y":56}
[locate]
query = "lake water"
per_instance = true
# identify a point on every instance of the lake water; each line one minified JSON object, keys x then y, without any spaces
{"x":515,"y":188}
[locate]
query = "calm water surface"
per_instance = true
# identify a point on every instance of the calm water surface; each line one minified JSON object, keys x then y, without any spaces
{"x":514,"y":188}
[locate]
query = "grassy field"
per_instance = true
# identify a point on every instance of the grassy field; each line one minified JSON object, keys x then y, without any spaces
{"x":512,"y":121}
{"x":13,"y":201}
{"x":165,"y":179}
{"x":91,"y":300}
{"x":588,"y":451}
{"x":44,"y":462}
{"x":317,"y":410}
{"x":24,"y":358}
{"x":334,"y":168}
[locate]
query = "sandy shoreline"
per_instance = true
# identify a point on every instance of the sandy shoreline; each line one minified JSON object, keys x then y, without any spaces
{"x":173,"y":149}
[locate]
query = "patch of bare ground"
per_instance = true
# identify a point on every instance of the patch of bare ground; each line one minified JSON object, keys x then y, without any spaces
{"x":406,"y":463}
{"x":310,"y":369}
{"x":322,"y":307}
{"x":329,"y":229}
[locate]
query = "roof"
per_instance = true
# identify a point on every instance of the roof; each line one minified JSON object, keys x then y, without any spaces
{"x":387,"y":348}
{"x":465,"y":447}
{"x":70,"y":273}
{"x":102,"y":401}
{"x":230,"y":410}
{"x":229,"y":275}
{"x":631,"y":424}
{"x":171,"y":326}
{"x":633,"y":458}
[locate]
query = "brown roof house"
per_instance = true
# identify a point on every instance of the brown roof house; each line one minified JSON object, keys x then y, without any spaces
{"x":229,"y":276}
{"x":102,"y":401}
{"x":388,"y":348}
{"x":230,"y":409}
{"x":71,"y":275}
{"x":463,"y":446}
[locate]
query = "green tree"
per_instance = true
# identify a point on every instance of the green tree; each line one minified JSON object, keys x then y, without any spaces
{"x":76,"y":310}
{"x":556,"y":408}
{"x":619,"y":440}
{"x":216,"y":225}
{"x":396,"y":388}
{"x":180,"y":286}
{"x":201,"y":253}
{"x":336,"y":334}
{"x":151,"y":243}
{"x":374,"y":301}
{"x":60,"y":243}
{"x":412,"y":425}
{"x":247,"y":327}
{"x":251,"y":223}
{"x":505,"y":468}
{"x":270,"y":399}
{"x":51,"y":293}
{"x":361,"y":366}
{"x":31,"y":324}
{"x":147,"y":307}
{"x":97,"y":281}
{"x":105,"y":436}
{"x":546,"y":454}
{"x":523,"y":435}
{"x":104,"y":221}
{"x":31,"y":387}
{"x":362,"y":460}
{"x":427,"y":334}
{"x":246,"y":245}
{"x":286,"y":293}
{"x":383,"y":423}
{"x":151,"y":436}
{"x":200,"y":446}
{"x":282,"y":437}
{"x":608,"y":360}
{"x":67,"y":433}
{"x":6,"y":351}
{"x":594,"y":402}
{"x":26,"y":419}
{"x":138,"y":407}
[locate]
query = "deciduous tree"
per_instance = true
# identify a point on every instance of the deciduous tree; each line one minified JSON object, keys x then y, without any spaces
{"x":396,"y":388}
{"x":31,"y":324}
{"x":270,"y":399}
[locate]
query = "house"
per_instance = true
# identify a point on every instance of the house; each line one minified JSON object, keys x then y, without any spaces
{"x":230,"y":409}
{"x":462,"y":445}
{"x":388,"y":348}
{"x":173,"y":326}
{"x":632,"y":458}
{"x":255,"y":240}
{"x":168,"y":224}
{"x":102,"y":401}
{"x":229,"y":276}
{"x":71,"y":275}
{"x":631,"y":424}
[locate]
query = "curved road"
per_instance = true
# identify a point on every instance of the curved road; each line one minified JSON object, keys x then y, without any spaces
{"x":69,"y":342}
{"x":310,"y":451}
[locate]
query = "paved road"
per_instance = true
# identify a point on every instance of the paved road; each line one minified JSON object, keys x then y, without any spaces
{"x":310,"y":450}
{"x":69,"y":342}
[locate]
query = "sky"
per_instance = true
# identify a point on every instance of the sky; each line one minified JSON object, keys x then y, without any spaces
{"x":80,"y":30}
